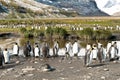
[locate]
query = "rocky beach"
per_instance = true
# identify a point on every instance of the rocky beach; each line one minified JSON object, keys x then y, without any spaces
{"x":63,"y":69}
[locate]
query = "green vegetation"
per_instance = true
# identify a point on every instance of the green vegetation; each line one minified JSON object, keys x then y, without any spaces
{"x":30,"y":33}
{"x":87,"y":33}
{"x":58,"y":32}
{"x":23,"y":30}
{"x":59,"y":28}
{"x":83,"y":22}
{"x":102,"y":34}
{"x":49,"y":32}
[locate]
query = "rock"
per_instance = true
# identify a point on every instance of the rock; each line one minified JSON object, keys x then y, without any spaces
{"x":103,"y":77}
{"x":46,"y":70}
{"x":88,"y":77}
{"x":115,"y":62}
{"x":5,"y":72}
{"x":22,"y":74}
{"x":10,"y":69}
{"x":44,"y":79}
{"x":29,"y":75}
{"x":62,"y":78}
{"x":106,"y":69}
{"x":70,"y":62}
{"x":97,"y":67}
{"x":89,"y":67}
{"x":71,"y":67}
{"x":35,"y":62}
{"x":90,"y":74}
{"x":17,"y":62}
{"x":28,"y":68}
{"x":25,"y":71}
{"x":78,"y":70}
{"x":41,"y":59}
{"x":17,"y":76}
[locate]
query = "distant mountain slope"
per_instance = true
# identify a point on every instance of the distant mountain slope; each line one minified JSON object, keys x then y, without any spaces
{"x":28,"y":9}
{"x":48,"y":8}
{"x":82,"y":7}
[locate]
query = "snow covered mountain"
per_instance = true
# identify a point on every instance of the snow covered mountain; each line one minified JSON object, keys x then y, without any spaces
{"x":111,"y":7}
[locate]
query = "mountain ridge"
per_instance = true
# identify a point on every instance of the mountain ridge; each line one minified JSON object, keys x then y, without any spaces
{"x":49,"y":8}
{"x":82,"y":7}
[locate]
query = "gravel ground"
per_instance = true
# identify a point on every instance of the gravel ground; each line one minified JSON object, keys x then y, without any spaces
{"x":63,"y":69}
